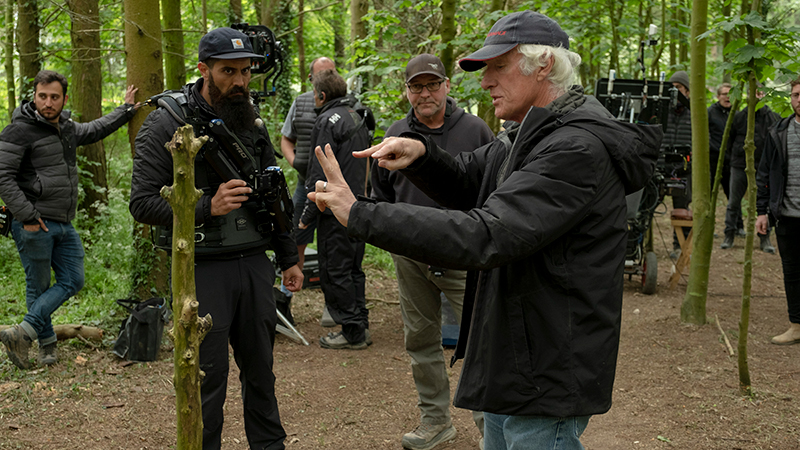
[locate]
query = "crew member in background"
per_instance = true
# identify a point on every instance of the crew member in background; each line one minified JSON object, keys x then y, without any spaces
{"x":433,"y":113}
{"x":296,"y":148}
{"x":39,"y":184}
{"x":342,"y":279}
{"x":679,"y":135}
{"x":765,"y":118}
{"x":779,"y":202}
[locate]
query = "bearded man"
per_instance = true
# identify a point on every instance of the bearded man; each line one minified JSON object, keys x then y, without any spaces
{"x":233,"y":275}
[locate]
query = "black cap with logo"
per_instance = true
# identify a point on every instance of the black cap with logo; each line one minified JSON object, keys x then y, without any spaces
{"x":425,"y":63}
{"x":225,"y":43}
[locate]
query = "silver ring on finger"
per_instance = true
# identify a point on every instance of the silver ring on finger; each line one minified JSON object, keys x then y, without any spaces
{"x":324,"y":186}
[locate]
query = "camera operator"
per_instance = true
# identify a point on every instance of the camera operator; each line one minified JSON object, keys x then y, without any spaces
{"x":679,"y":134}
{"x":233,"y":274}
{"x":343,"y":282}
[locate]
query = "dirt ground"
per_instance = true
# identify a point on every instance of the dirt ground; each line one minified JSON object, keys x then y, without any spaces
{"x":676,"y":385}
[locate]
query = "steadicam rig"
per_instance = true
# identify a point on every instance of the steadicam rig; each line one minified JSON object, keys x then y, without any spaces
{"x":264,"y":43}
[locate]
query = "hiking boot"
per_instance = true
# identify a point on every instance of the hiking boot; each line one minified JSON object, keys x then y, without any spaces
{"x":728,"y":241}
{"x":48,"y":354}
{"x":18,"y":345}
{"x":337,"y":341}
{"x":741,"y":232}
{"x":327,"y":321}
{"x":676,"y":253}
{"x":480,"y":444}
{"x":792,"y":336}
{"x":428,"y":435}
{"x":766,"y":245}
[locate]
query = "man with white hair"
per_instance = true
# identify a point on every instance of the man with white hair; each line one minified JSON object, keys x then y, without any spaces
{"x":537,"y":217}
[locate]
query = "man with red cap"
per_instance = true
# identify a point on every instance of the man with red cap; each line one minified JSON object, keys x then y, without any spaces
{"x":537,"y":218}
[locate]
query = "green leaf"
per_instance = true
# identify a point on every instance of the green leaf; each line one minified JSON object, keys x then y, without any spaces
{"x":663,"y":439}
{"x":747,"y":53}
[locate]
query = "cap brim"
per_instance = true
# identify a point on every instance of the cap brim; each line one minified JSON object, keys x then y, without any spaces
{"x":478,"y":59}
{"x":237,"y":55}
{"x":425,"y":72}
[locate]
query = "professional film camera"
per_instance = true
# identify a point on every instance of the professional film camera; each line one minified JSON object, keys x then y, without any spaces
{"x":646,"y":102}
{"x":271,"y":65}
{"x":270,"y":198}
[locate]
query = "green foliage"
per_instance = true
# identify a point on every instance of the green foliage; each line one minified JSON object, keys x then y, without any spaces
{"x":376,"y":257}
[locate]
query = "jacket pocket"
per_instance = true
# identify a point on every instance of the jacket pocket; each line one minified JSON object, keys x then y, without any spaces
{"x":522,"y":348}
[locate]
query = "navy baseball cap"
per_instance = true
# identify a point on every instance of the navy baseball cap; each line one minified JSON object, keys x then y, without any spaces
{"x":524,"y":27}
{"x":225,"y":43}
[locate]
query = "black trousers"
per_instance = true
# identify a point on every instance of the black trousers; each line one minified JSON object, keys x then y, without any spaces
{"x":238,"y":295}
{"x":787,"y":232}
{"x":341,"y":277}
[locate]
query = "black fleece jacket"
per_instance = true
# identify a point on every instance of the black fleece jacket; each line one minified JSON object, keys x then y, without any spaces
{"x":538,"y":219}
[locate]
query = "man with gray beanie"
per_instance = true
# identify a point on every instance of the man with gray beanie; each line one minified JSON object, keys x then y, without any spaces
{"x":433,"y":114}
{"x":537,"y":218}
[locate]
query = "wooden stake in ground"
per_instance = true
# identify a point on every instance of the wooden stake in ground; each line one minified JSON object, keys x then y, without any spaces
{"x":189,"y":329}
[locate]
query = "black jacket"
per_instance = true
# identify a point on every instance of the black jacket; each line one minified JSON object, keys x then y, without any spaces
{"x":717,"y":119}
{"x":773,"y":170}
{"x":335,"y":126}
{"x":765,"y":118}
{"x":538,"y":218}
{"x":38,"y":171}
{"x":153,"y":169}
{"x":461,"y":132}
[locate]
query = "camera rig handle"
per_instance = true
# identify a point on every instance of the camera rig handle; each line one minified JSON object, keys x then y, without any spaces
{"x":272,"y":64}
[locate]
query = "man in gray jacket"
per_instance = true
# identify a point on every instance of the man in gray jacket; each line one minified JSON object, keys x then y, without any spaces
{"x":39,"y":184}
{"x":433,"y":113}
{"x":537,"y":217}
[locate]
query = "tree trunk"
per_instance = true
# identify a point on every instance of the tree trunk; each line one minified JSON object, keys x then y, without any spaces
{"x":8,"y":45}
{"x":614,"y":19}
{"x":87,"y":97}
{"x":189,"y":329}
{"x":693,"y":309}
{"x":28,"y":39}
{"x":204,"y":17}
{"x":236,"y":11}
{"x":726,"y":39}
{"x":674,"y":35}
{"x":268,"y":13}
{"x":358,"y":28}
{"x":301,"y":45}
{"x":447,"y":30}
{"x":683,"y":46}
{"x":144,"y":70}
{"x":174,"y":64}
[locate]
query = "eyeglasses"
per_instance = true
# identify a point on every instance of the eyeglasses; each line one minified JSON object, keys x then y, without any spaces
{"x":416,"y":88}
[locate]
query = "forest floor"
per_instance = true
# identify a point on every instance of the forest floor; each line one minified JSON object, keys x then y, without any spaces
{"x":676,"y":386}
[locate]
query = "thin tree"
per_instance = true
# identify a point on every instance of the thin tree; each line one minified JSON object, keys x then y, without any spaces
{"x":144,"y":70}
{"x":28,"y":40}
{"x":188,"y":329}
{"x":693,"y":309}
{"x":447,"y":30}
{"x":174,"y":61}
{"x":8,"y":46}
{"x":87,"y":96}
{"x":301,"y":44}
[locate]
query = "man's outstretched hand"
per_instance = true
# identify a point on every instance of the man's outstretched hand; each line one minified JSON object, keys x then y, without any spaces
{"x":334,"y":194}
{"x":394,"y":153}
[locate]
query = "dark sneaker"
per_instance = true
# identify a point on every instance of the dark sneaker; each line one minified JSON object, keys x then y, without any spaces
{"x":428,"y":435}
{"x":18,"y":345}
{"x":766,"y":245}
{"x":727,"y":242}
{"x":48,"y":355}
{"x":337,"y":341}
{"x":741,"y":232}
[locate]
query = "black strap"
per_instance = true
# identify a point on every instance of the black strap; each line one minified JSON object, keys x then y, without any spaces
{"x":133,"y":306}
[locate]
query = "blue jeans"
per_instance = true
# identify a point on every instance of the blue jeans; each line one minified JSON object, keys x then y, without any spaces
{"x":503,"y":432}
{"x":59,"y":248}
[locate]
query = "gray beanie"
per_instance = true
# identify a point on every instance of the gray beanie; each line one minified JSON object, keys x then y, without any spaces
{"x":680,"y":77}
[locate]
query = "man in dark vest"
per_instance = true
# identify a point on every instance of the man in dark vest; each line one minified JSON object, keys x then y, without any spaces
{"x":433,"y":113}
{"x":296,"y":148}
